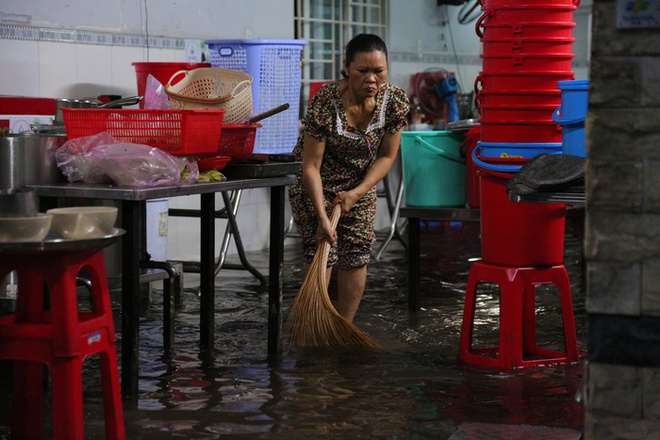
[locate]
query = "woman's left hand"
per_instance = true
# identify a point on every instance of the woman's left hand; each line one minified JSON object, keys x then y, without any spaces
{"x":347,"y":199}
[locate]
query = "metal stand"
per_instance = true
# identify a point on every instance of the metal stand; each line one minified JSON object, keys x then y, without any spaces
{"x":232,"y":200}
{"x":393,"y":207}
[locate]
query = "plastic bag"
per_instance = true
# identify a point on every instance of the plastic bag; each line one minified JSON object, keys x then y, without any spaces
{"x":103,"y":159}
{"x":155,"y":96}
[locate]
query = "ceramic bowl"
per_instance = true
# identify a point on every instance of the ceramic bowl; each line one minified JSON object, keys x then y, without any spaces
{"x":20,"y":229}
{"x":80,"y":222}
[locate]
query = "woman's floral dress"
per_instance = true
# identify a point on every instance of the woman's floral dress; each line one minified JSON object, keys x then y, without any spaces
{"x":349,"y":152}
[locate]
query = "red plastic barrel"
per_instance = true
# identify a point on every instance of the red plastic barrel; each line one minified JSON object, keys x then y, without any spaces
{"x":161,"y":71}
{"x":518,"y":234}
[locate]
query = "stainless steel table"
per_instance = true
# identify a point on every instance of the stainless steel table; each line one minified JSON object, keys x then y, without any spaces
{"x":414,"y":215}
{"x":133,"y":213}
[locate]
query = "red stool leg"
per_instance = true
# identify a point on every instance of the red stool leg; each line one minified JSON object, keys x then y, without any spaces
{"x":467,"y":327}
{"x":529,"y":318}
{"x":561,"y":279}
{"x":27,"y":400}
{"x":68,"y":415}
{"x":511,"y":316}
{"x":112,"y":400}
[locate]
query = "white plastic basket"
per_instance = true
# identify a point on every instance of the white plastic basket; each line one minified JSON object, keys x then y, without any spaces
{"x":213,"y":88}
{"x":275,"y":66}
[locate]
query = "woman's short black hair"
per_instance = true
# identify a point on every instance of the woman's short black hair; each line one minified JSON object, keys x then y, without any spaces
{"x":364,"y":43}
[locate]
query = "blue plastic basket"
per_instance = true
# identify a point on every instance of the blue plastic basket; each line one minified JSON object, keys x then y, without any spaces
{"x":275,"y":66}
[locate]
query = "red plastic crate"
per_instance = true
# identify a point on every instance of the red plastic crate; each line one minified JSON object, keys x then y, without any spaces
{"x":237,"y":141}
{"x":178,"y":132}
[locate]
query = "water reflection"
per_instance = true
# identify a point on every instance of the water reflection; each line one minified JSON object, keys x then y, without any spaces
{"x":415,"y":390}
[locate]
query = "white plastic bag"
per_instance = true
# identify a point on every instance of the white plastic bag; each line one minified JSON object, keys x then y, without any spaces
{"x":103,"y":159}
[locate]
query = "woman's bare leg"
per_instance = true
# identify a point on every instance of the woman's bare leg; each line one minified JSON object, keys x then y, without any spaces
{"x":350,"y":285}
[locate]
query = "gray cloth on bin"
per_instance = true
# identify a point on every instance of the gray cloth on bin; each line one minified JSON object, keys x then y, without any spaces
{"x":548,"y":173}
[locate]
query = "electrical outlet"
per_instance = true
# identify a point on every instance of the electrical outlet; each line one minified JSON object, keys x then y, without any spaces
{"x":248,"y":33}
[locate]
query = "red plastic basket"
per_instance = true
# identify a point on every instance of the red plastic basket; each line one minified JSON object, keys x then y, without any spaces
{"x":178,"y":132}
{"x":237,"y":141}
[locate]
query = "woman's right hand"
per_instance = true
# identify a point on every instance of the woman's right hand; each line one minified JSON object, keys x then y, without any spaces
{"x":324,"y":231}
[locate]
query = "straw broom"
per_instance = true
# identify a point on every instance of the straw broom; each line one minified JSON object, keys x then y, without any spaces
{"x":313,"y":321}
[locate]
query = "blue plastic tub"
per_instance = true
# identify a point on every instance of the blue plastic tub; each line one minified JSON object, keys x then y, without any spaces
{"x":571,"y":115}
{"x":574,"y":101}
{"x":434,"y":171}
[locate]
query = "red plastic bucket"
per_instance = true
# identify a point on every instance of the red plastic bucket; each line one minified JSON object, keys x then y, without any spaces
{"x":518,"y":234}
{"x":510,"y":14}
{"x":504,"y":113}
{"x":522,"y":98}
{"x":485,"y":4}
{"x":527,"y":62}
{"x":512,"y":82}
{"x":526,"y":46}
{"x":519,"y":131}
{"x":550,"y":29}
{"x":161,"y":71}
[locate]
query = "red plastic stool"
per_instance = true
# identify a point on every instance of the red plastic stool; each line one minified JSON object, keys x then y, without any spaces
{"x":517,"y":338}
{"x":48,"y":329}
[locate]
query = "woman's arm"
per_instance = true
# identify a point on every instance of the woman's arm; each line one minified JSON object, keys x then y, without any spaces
{"x":312,"y":159}
{"x":389,"y":147}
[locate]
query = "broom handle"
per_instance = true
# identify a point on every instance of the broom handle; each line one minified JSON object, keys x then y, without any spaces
{"x":336,"y":213}
{"x":334,"y":220}
{"x":324,"y":247}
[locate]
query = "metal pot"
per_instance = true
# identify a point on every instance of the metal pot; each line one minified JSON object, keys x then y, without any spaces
{"x":28,"y":158}
{"x":21,"y":202}
{"x":90,"y":103}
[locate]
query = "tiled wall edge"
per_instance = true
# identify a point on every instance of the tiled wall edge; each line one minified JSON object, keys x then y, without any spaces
{"x":449,"y":59}
{"x":14,"y":32}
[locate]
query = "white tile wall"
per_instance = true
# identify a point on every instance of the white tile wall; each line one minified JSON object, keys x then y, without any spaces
{"x":19,"y":68}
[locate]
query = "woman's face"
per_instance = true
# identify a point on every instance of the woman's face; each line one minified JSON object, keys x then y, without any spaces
{"x":367,"y":73}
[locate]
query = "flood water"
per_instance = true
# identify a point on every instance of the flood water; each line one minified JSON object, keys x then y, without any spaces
{"x":417,"y":389}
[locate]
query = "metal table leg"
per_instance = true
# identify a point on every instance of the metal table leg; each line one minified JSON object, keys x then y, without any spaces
{"x":276,"y":263}
{"x":207,"y":278}
{"x":132,"y":219}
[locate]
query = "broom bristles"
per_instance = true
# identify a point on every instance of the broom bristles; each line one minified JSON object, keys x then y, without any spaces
{"x":313,"y":321}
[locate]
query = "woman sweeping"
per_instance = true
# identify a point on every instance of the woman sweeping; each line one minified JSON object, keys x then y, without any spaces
{"x":349,"y":141}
